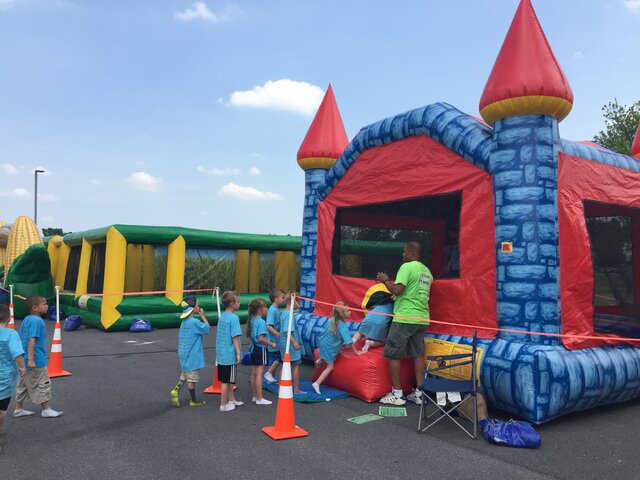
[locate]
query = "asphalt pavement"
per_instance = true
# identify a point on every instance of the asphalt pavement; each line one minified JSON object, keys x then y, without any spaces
{"x":119,"y":423}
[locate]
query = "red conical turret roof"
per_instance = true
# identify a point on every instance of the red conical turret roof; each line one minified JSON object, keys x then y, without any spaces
{"x":326,"y":139}
{"x":526,"y":77}
{"x":635,"y":146}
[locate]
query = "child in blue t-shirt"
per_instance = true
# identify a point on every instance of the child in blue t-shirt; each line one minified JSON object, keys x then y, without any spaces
{"x":335,"y":335}
{"x":297,"y":349}
{"x":273,"y":326}
{"x":256,"y":330}
{"x":190,"y":350}
{"x":375,"y":325}
{"x":11,"y":361}
{"x":228,"y":353}
{"x":36,"y":384}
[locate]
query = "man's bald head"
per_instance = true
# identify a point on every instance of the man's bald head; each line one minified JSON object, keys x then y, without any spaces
{"x":412,"y":251}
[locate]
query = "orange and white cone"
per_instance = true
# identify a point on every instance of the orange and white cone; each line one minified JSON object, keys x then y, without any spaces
{"x":285,"y":426}
{"x":12,"y":323}
{"x":216,"y":385}
{"x":55,"y":360}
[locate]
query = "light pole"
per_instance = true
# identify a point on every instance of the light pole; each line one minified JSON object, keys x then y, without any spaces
{"x":35,"y":195}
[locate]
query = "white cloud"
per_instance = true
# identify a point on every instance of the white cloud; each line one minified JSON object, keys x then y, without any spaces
{"x":15,"y":193}
{"x":578,"y":55}
{"x":144,"y":181}
{"x":200,"y":11}
{"x":219,"y":172}
{"x":95,"y":182}
{"x":632,"y":5}
{"x":8,"y":169}
{"x":254,"y":171}
{"x":47,"y":197}
{"x":240,"y":192}
{"x":284,"y":94}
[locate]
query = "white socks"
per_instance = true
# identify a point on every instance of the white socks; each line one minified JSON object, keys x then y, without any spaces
{"x":397,"y":393}
{"x":316,"y":387}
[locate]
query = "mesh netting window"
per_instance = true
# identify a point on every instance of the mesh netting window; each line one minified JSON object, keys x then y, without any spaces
{"x":209,"y":268}
{"x":95,"y":282}
{"x":71,"y":276}
{"x":369,"y":239}
{"x":611,"y":235}
{"x":159,"y":267}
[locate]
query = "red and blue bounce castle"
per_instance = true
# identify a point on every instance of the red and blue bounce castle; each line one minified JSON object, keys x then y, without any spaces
{"x":547,"y":231}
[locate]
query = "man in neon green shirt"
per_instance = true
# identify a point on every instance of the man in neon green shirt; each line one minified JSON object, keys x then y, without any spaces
{"x":411,"y":317}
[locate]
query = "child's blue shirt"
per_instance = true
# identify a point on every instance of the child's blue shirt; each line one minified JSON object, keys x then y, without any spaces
{"x":294,"y":354}
{"x":10,"y":348}
{"x":190,"y":349}
{"x":330,"y":342}
{"x":228,"y":328}
{"x":258,"y":327}
{"x":273,"y":319}
{"x":33,"y":327}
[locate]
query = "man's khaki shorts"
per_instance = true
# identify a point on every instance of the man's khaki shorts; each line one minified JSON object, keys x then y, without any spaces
{"x":193,"y":376}
{"x":36,"y":384}
{"x":405,"y":339}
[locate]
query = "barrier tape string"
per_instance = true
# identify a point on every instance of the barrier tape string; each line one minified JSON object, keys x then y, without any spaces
{"x":478,"y":327}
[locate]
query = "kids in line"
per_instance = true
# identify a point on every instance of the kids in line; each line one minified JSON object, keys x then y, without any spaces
{"x":273,"y":326}
{"x":11,"y":362}
{"x":335,"y":335}
{"x":297,"y":349}
{"x":190,"y":351}
{"x":36,"y":384}
{"x":228,"y":353}
{"x":375,"y":325}
{"x":256,"y":330}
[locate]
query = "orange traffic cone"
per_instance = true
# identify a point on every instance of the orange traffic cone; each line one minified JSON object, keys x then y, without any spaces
{"x":55,"y":360}
{"x":285,"y":426}
{"x":216,"y":386}
{"x":11,"y":324}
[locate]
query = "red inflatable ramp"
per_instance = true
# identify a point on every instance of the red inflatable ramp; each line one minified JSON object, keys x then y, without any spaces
{"x":364,"y":376}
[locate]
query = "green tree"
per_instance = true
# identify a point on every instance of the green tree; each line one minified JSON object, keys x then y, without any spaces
{"x":47,"y":232}
{"x":621,"y":123}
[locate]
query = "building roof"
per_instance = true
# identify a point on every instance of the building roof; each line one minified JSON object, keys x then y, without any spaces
{"x":526,"y":77}
{"x":326,"y":139}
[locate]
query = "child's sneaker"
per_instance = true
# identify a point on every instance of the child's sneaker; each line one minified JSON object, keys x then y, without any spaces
{"x":415,"y":397}
{"x":50,"y":413}
{"x":270,"y":378}
{"x":253,"y":399}
{"x":174,"y":398}
{"x":237,"y":403}
{"x":391,"y":399}
{"x":367,"y":345}
{"x":22,"y":413}
{"x":263,"y":401}
{"x":228,"y":407}
{"x":316,"y":387}
{"x":197,"y":403}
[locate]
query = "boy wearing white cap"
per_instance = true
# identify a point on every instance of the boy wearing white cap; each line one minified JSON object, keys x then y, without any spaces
{"x":190,"y":350}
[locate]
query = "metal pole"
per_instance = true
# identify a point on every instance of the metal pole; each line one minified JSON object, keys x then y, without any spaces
{"x":35,"y":198}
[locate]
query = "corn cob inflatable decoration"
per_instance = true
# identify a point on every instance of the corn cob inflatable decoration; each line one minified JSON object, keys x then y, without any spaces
{"x":4,"y":236}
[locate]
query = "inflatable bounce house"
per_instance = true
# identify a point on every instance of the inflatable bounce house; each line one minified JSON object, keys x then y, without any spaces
{"x":114,"y":275}
{"x":547,"y":232}
{"x":24,"y":263}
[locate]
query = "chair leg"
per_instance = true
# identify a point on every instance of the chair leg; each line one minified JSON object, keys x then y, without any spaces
{"x":475,"y":416}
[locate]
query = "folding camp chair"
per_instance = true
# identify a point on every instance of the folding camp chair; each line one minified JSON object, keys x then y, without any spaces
{"x":434,"y":382}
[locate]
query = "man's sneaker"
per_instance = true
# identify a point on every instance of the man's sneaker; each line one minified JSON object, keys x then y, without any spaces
{"x":22,"y":413}
{"x":197,"y":403}
{"x":236,"y":403}
{"x":228,"y":407}
{"x":263,"y":401}
{"x":174,"y":398}
{"x":270,"y":378}
{"x":50,"y":413}
{"x":391,"y":399}
{"x":415,"y":397}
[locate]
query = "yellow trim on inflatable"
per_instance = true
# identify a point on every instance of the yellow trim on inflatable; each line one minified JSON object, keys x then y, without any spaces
{"x":115,"y":261}
{"x":63,"y":261}
{"x":83,"y":269}
{"x":254,"y":272}
{"x":148,"y":268}
{"x":526,"y":105}
{"x":53,"y":249}
{"x":133,"y":270}
{"x":242,"y":271}
{"x":316,"y":162}
{"x":176,"y":262}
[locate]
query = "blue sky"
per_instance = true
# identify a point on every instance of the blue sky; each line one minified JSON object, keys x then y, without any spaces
{"x":171,"y":112}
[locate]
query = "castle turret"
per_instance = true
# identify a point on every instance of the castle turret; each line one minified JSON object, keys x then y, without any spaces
{"x":322,"y":146}
{"x":525,"y":97}
{"x":635,"y":146}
